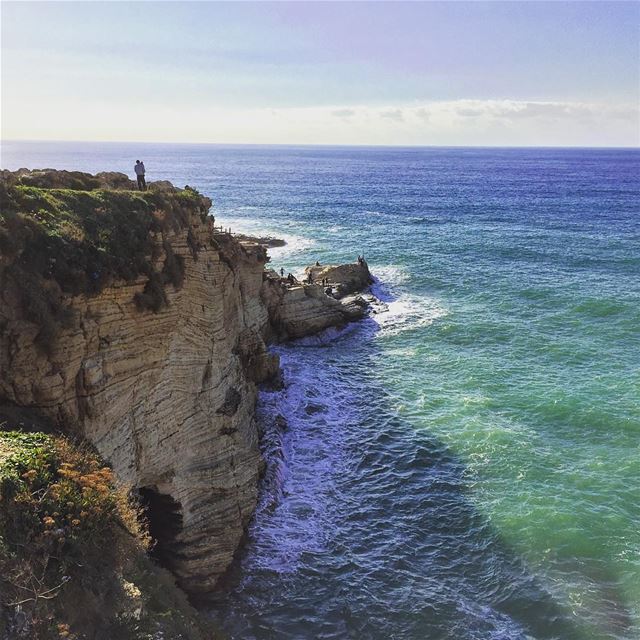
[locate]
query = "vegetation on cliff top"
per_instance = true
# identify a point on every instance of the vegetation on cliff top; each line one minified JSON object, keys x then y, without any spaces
{"x":73,"y":558}
{"x":70,"y":241}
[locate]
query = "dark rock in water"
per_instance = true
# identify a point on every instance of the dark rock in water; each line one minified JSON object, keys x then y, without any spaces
{"x":265,"y":241}
{"x":313,"y":408}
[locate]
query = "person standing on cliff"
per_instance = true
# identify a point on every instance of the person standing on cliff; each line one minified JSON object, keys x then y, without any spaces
{"x":139,"y":169}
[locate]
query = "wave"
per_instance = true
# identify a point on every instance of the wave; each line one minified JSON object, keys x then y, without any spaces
{"x":295,"y":243}
{"x":390,"y":275}
{"x":399,"y":310}
{"x":407,"y":313}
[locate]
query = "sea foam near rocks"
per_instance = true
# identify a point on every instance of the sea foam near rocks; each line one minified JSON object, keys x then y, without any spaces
{"x":396,"y":310}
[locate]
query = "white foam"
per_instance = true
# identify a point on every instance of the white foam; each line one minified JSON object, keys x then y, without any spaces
{"x":295,"y":517}
{"x":398,"y":310}
{"x":295,"y":243}
{"x":390,"y":275}
{"x":406,"y":313}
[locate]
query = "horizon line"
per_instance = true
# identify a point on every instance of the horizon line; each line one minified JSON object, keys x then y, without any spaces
{"x":325,"y":145}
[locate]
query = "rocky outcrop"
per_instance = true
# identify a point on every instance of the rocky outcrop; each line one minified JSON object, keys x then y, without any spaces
{"x":156,"y":363}
{"x":76,"y":180}
{"x":266,"y":241}
{"x":344,"y":278}
{"x":300,"y":310}
{"x":167,"y":397}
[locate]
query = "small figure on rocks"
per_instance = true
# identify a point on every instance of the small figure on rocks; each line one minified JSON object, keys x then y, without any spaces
{"x":139,"y":169}
{"x":317,"y":263}
{"x":291,"y":279}
{"x":282,"y":272}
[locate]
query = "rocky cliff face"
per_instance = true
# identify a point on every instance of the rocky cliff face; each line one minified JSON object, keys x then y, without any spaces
{"x":157,"y":366}
{"x":304,"y":309}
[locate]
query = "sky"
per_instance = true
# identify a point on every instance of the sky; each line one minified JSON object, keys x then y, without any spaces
{"x":379,"y":73}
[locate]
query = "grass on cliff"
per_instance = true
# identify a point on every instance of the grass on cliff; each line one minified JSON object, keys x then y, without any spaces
{"x":66,"y":241}
{"x":73,"y":558}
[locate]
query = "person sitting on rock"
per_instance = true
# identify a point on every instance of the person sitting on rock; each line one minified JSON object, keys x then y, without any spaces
{"x":291,"y":279}
{"x":139,"y":169}
{"x":317,"y":263}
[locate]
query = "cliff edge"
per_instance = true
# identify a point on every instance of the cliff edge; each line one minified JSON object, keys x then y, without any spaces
{"x":128,"y":319}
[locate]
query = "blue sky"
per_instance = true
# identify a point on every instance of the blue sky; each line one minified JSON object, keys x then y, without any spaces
{"x":549,"y":73}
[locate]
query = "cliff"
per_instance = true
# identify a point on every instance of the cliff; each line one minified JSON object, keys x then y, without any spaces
{"x":125,"y":317}
{"x":73,"y":553}
{"x":303,"y":309}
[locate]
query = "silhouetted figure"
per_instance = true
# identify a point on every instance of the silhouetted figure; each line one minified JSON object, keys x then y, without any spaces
{"x":139,"y":169}
{"x":282,"y":272}
{"x":291,"y":279}
{"x":317,"y":263}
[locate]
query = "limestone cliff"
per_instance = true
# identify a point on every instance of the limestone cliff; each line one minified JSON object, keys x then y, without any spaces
{"x":304,"y":309}
{"x":127,"y":317}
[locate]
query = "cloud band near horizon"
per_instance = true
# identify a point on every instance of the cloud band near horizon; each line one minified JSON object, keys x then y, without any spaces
{"x":502,"y":122}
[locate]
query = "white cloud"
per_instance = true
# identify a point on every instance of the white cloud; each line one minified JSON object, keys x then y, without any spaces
{"x":455,"y":122}
{"x":343,"y":113}
{"x":393,"y":114}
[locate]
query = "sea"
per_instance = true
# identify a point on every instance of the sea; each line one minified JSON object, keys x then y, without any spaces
{"x":465,"y":463}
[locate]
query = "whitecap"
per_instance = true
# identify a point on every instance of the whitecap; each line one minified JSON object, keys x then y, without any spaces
{"x":295,"y":243}
{"x":406,"y":313}
{"x":397,"y":310}
{"x":391,"y":275}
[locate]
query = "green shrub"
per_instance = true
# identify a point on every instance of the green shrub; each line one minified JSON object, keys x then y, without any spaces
{"x":73,"y":560}
{"x":69,"y":241}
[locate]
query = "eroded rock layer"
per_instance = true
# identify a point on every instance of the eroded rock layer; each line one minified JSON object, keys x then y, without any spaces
{"x":158,"y":370}
{"x":168,"y":398}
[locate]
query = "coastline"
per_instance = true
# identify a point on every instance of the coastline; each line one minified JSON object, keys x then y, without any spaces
{"x":96,"y":339}
{"x":509,"y":331}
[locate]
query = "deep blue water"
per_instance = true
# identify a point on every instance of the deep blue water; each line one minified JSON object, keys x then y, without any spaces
{"x":465,"y":464}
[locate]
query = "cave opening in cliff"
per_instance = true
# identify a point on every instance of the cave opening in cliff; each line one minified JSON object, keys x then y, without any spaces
{"x":164,"y":518}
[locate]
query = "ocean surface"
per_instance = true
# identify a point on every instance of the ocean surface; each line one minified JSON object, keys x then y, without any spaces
{"x":466,"y":463}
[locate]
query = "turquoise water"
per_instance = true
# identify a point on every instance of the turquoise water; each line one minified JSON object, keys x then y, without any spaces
{"x":466,"y":463}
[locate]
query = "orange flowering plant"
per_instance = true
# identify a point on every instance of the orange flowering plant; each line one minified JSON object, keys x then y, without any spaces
{"x":60,"y":514}
{"x":58,"y":493}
